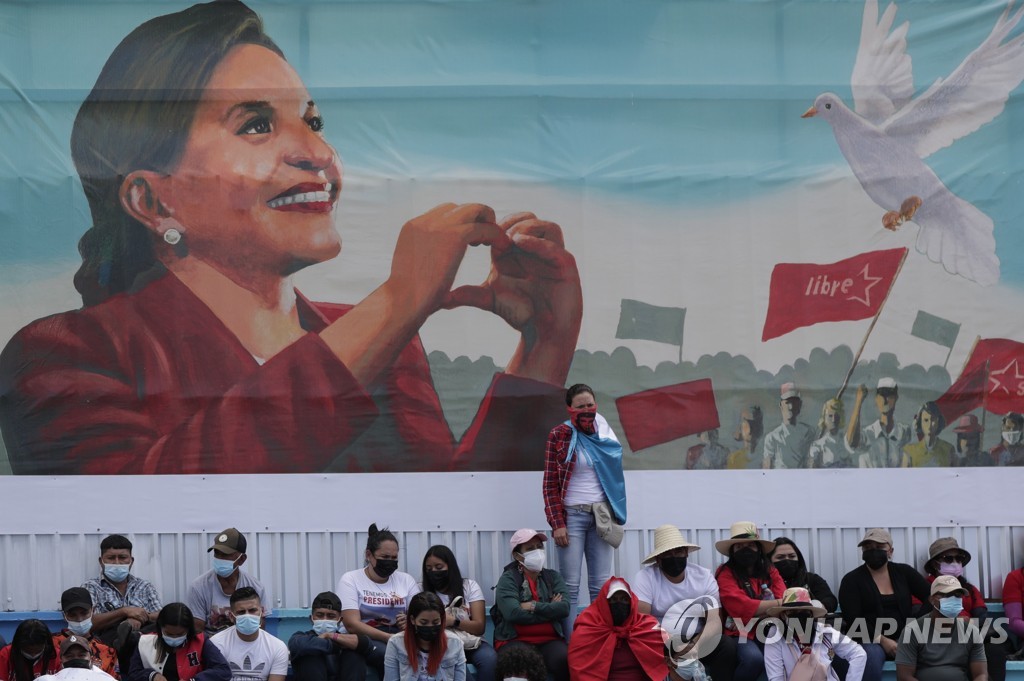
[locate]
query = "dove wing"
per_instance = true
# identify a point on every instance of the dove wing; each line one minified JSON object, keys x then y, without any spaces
{"x":958,"y":235}
{"x":974,"y":94}
{"x":882,"y":81}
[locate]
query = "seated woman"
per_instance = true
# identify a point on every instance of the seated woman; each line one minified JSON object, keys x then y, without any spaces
{"x":426,"y":650}
{"x":374,"y":599}
{"x":614,"y":641}
{"x":789,"y":561}
{"x":30,"y":654}
{"x":1013,"y":602}
{"x":443,"y":578}
{"x":748,"y":585}
{"x":804,"y":639}
{"x":879,"y":589}
{"x":945,"y":557}
{"x":530,"y":602}
{"x":927,"y":449}
{"x":177,"y":651}
{"x":669,"y":579}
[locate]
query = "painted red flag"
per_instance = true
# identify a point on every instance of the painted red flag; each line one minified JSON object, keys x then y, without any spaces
{"x":803,"y":294}
{"x":1003,"y":391}
{"x":653,"y":417}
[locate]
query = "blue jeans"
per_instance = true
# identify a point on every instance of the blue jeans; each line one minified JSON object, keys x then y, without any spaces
{"x":583,"y":541}
{"x":873,"y":664}
{"x":485,"y":660}
{"x":749,"y":660}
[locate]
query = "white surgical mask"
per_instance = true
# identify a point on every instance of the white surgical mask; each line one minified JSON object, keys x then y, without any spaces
{"x":534,"y":560}
{"x":1012,"y":437}
{"x":80,"y":628}
{"x":325,"y":626}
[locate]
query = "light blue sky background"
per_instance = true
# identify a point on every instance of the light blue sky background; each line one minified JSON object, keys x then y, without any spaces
{"x":672,"y":102}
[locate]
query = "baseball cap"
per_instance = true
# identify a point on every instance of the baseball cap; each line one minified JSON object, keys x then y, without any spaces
{"x":877,"y":535}
{"x":947,"y":584}
{"x":72,"y":641}
{"x":229,"y":541}
{"x":75,"y":597}
{"x":788,"y":390}
{"x":886,"y":383}
{"x":616,"y":586}
{"x":327,"y":599}
{"x":524,"y":535}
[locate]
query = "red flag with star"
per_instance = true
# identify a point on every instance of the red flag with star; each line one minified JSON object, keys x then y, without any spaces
{"x":1002,"y":392}
{"x":802,"y":294}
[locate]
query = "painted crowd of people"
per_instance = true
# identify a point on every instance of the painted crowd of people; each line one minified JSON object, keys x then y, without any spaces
{"x":836,"y":443}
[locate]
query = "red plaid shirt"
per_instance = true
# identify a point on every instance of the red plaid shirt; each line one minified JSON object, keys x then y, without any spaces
{"x":556,"y":474}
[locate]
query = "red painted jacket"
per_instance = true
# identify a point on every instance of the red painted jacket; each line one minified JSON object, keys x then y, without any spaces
{"x":153,"y":382}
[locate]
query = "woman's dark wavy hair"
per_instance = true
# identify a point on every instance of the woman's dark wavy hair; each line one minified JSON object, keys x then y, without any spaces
{"x":454,"y":589}
{"x":138,"y":117}
{"x":31,"y":632}
{"x":800,"y":578}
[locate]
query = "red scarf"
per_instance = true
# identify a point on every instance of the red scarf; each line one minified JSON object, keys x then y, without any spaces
{"x":594,"y":637}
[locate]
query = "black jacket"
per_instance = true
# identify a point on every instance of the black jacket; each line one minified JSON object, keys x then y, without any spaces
{"x":861,"y":602}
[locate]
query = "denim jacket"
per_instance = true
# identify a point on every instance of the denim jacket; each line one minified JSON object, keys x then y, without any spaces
{"x":397,"y":667}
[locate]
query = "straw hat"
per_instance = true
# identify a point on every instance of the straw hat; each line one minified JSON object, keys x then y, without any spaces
{"x":666,"y":538}
{"x":795,"y":600}
{"x":743,"y":531}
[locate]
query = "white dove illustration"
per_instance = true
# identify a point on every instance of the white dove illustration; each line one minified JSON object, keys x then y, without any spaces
{"x":888,"y":134}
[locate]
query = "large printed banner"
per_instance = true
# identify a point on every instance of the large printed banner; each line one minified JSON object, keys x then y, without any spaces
{"x":377,"y":237}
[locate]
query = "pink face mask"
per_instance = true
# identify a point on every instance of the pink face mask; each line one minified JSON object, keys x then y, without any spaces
{"x":955,"y":569}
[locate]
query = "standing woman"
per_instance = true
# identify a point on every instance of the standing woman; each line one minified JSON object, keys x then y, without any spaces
{"x":426,"y":650}
{"x":530,"y":602}
{"x":749,"y":585}
{"x":789,"y":561}
{"x":30,"y":654}
{"x":374,"y":599}
{"x":582,"y":473}
{"x":177,"y":651}
{"x":443,"y":578}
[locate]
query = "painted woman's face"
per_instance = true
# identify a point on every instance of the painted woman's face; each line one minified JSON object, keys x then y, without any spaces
{"x":257,"y":184}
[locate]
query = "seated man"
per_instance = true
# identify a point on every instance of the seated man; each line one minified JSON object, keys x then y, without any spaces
{"x":251,"y":652}
{"x":77,"y":663}
{"x":941,"y":646}
{"x":612,"y":639}
{"x":327,"y":652}
{"x":209,"y":595}
{"x":77,"y":606}
{"x":122,"y":602}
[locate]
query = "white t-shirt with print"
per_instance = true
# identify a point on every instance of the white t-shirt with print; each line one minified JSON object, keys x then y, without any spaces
{"x":651,"y":586}
{"x":470,"y":589}
{"x":378,"y":604}
{"x":252,"y":660}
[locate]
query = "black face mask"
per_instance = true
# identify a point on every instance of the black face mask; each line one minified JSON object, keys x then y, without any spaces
{"x":620,"y":612}
{"x":428,"y":632}
{"x":745,"y":558}
{"x":799,"y":625}
{"x":875,"y":558}
{"x":78,"y":663}
{"x":385,"y":567}
{"x":437,"y":579}
{"x":787,"y":568}
{"x":673,"y":566}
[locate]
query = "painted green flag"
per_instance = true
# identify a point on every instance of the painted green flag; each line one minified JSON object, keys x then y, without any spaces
{"x":935,"y":329}
{"x":651,"y":322}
